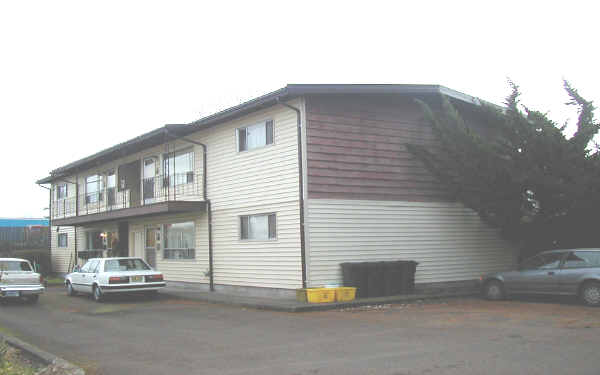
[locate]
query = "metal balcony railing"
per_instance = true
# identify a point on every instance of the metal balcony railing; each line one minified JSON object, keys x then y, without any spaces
{"x":161,"y":188}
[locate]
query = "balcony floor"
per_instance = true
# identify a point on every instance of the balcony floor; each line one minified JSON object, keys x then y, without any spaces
{"x":169,"y":207}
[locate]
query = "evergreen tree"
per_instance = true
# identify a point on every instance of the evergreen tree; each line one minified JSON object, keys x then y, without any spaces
{"x":519,"y":171}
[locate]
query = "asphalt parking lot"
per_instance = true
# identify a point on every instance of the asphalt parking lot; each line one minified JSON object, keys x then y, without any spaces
{"x":173,"y":336}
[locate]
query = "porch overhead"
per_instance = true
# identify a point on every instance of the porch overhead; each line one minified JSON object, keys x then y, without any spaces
{"x":168,"y":207}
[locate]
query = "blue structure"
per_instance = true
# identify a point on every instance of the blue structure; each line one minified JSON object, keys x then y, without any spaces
{"x":21,"y":223}
{"x":24,"y":234}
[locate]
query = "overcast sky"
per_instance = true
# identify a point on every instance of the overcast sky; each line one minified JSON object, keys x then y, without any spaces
{"x":79,"y":76}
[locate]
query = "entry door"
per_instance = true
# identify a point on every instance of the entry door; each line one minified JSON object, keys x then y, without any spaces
{"x":138,"y":244}
{"x":149,"y":184}
{"x":152,"y":245}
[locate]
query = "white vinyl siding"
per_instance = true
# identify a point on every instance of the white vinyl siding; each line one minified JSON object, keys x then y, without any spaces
{"x":264,"y":180}
{"x":449,"y":241}
{"x":61,"y":257}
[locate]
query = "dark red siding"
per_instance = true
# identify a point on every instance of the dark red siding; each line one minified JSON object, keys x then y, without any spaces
{"x":356,"y":149}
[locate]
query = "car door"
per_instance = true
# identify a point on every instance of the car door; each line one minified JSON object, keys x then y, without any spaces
{"x":87,"y":276}
{"x":77,"y":279}
{"x":536,"y":275}
{"x":578,"y":265}
{"x":545,"y":280}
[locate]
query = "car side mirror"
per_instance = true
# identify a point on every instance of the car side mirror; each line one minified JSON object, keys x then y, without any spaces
{"x":76,"y":269}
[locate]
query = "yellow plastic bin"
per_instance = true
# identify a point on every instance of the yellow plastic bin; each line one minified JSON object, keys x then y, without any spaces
{"x":320,"y":295}
{"x":345,"y":293}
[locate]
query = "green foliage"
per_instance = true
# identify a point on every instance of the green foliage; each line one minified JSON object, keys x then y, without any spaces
{"x":10,"y":363}
{"x":516,"y":168}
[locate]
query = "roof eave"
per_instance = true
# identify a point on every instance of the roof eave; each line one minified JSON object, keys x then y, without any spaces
{"x":286,"y":93}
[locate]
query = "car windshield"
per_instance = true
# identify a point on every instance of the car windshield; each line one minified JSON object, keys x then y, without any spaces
{"x":14,"y":265}
{"x":116,"y":265}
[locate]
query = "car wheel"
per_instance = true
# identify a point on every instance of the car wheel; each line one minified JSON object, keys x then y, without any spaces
{"x":493,"y":290}
{"x":97,"y":294}
{"x":590,"y":293}
{"x":70,"y":291}
{"x":33,"y":298}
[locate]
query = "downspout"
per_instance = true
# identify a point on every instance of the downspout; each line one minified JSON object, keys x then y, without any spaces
{"x":300,"y":189}
{"x":76,"y":214}
{"x":208,"y":206}
{"x":49,"y":219}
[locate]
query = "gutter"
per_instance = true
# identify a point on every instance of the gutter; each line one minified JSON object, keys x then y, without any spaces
{"x":205,"y":197}
{"x":300,"y":189}
{"x":49,"y":220}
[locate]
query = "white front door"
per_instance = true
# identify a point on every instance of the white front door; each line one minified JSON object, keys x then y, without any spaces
{"x":138,"y":244}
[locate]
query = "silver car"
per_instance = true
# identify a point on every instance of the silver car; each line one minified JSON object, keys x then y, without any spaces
{"x":19,"y":280}
{"x":560,"y":272}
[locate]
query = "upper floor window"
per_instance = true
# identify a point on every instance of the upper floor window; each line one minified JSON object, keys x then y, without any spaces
{"x":93,"y":188}
{"x":178,"y":167}
{"x":255,"y":136}
{"x":61,"y":191}
{"x":258,"y":227}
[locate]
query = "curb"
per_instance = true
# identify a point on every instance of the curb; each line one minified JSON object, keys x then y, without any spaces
{"x":378,"y":301}
{"x":43,"y":356}
{"x":298,"y":308}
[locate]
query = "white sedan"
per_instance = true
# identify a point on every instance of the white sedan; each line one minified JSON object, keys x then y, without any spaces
{"x":101,"y":276}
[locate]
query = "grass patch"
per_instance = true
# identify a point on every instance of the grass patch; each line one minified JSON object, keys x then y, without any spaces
{"x":12,"y":364}
{"x":6,"y":331}
{"x":55,"y":281}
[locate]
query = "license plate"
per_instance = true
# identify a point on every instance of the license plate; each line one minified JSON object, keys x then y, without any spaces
{"x":137,"y":279}
{"x":11,"y":294}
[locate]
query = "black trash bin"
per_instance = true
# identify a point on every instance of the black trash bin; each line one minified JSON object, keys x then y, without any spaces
{"x":348,"y":274}
{"x":393,"y":278}
{"x":355,"y":275}
{"x":408,"y":270}
{"x":376,"y":279}
{"x":362,"y":277}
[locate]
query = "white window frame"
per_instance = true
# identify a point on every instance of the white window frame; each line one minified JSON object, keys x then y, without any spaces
{"x":58,"y":197}
{"x":58,"y":243}
{"x":99,"y":191}
{"x":168,"y":174}
{"x":164,"y":248}
{"x":264,"y":123}
{"x":246,"y":217}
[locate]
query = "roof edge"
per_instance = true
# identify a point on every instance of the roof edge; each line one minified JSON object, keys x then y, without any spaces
{"x":290,"y":91}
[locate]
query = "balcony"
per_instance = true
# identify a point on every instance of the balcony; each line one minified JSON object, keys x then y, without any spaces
{"x":175,"y":193}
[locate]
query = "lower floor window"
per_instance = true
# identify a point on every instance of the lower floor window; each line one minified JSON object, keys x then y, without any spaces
{"x":179,"y":240}
{"x":258,"y":227}
{"x":62,"y":240}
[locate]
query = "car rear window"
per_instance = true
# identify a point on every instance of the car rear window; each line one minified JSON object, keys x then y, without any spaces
{"x":116,"y":265}
{"x":14,"y":265}
{"x":582,"y":259}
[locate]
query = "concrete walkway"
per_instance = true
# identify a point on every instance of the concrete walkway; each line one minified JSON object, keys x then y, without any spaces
{"x":289,"y":305}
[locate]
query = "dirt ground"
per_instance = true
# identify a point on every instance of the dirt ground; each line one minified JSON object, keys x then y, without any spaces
{"x":173,"y":336}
